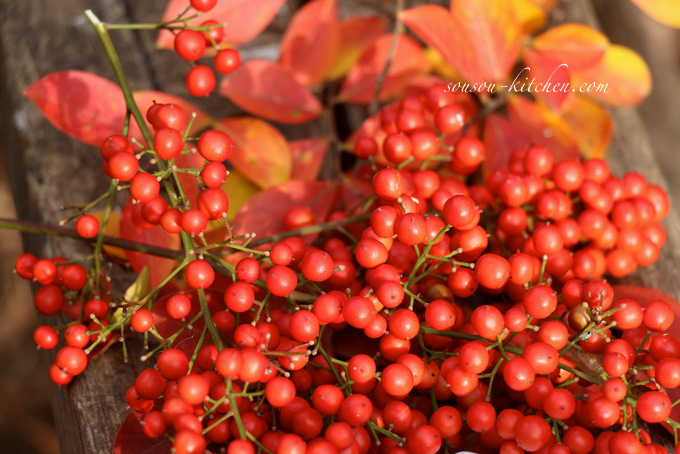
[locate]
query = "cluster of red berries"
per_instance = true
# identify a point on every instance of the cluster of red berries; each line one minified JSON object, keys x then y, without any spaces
{"x":455,"y":317}
{"x":191,"y":45}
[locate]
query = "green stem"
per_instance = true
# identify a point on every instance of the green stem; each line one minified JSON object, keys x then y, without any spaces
{"x":100,"y":235}
{"x":207,"y":317}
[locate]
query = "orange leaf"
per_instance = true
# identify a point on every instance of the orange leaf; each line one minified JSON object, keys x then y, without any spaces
{"x":261,"y":153}
{"x":356,"y":35}
{"x":543,"y":126}
{"x":577,"y":45}
{"x":308,"y":155}
{"x":83,"y":105}
{"x":112,"y":230}
{"x":244,"y":19}
{"x":530,"y":15}
{"x":311,"y":42}
{"x":480,"y":38}
{"x":408,"y":62}
{"x":621,"y":78}
{"x":155,"y":236}
{"x":665,"y":11}
{"x":591,"y":125}
{"x":266,"y":89}
{"x":552,"y":79}
{"x":500,"y":139}
{"x":263,"y":213}
{"x":146,"y":98}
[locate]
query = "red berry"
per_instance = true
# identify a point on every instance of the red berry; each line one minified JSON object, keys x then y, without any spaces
{"x":200,"y":80}
{"x":189,"y":44}
{"x":227,"y":61}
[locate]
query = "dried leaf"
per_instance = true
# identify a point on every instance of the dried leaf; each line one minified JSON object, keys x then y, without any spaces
{"x":308,"y":155}
{"x":155,"y":236}
{"x":263,"y":213}
{"x":131,"y":438}
{"x":356,"y":35}
{"x":266,"y":89}
{"x":500,"y":139}
{"x":665,"y":11}
{"x":244,"y":19}
{"x":621,"y":78}
{"x":261,"y":153}
{"x":576,"y":45}
{"x":590,"y":124}
{"x":543,"y":126}
{"x":407,"y":62}
{"x":83,"y":105}
{"x":311,"y":42}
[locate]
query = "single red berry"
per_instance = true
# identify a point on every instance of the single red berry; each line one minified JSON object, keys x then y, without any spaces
{"x":200,"y":80}
{"x":203,"y":5}
{"x":71,"y":360}
{"x":227,"y":61}
{"x":168,"y":143}
{"x":45,"y":337}
{"x":199,"y":274}
{"x":189,"y":44}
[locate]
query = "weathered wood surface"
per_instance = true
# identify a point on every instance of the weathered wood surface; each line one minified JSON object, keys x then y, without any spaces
{"x":48,"y":169}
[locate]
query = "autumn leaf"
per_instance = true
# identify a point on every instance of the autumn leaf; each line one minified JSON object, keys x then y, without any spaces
{"x":311,"y":42}
{"x":263,"y":213}
{"x":266,"y":89}
{"x":576,"y":45}
{"x":356,"y":35}
{"x":543,"y":126}
{"x":308,"y":155}
{"x":552,"y":79}
{"x":530,"y":15}
{"x":590,"y":124}
{"x":239,"y":190}
{"x":155,"y":236}
{"x":441,"y":67}
{"x":621,"y":78}
{"x":244,"y":19}
{"x":501,"y":138}
{"x":83,"y":105}
{"x":261,"y":153}
{"x":408,"y":62}
{"x":481,"y":39}
{"x":665,"y":11}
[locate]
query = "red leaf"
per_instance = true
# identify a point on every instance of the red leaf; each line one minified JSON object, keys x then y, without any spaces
{"x":355,"y":192}
{"x":500,"y":138}
{"x":146,"y":98}
{"x":261,"y":153}
{"x":160,"y":267}
{"x":311,"y":42}
{"x":307,"y":155}
{"x":356,"y":35}
{"x":407,"y":63}
{"x":131,"y":438}
{"x":266,"y":89}
{"x":575,"y":45}
{"x":480,"y":38}
{"x":83,"y":105}
{"x":551,"y":77}
{"x":263,"y":213}
{"x":543,"y":126}
{"x":244,"y":19}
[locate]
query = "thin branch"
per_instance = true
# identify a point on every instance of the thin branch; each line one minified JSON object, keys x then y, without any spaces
{"x":398,"y":30}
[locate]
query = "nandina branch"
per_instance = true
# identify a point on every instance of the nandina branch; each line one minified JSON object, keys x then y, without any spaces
{"x":65,"y":232}
{"x":317,"y":228}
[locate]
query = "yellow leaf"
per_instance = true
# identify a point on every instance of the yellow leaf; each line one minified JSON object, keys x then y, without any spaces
{"x":590,"y":124}
{"x":140,"y":288}
{"x":621,"y":78}
{"x":531,"y":16}
{"x":439,"y":66}
{"x":239,"y":190}
{"x":665,"y":11}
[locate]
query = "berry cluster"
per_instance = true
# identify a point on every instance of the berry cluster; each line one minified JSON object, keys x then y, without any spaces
{"x":191,"y":44}
{"x":451,"y":315}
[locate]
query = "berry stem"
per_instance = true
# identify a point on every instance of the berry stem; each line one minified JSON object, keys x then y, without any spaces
{"x":209,"y":323}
